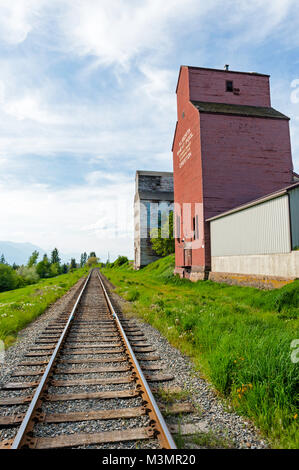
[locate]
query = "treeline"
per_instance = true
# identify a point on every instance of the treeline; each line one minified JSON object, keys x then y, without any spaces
{"x":15,"y":276}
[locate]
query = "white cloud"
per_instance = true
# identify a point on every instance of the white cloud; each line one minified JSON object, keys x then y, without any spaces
{"x":158,"y":86}
{"x":257,"y":19}
{"x":106,"y":178}
{"x":115,"y":32}
{"x":29,"y":107}
{"x":17,"y":19}
{"x":31,"y":121}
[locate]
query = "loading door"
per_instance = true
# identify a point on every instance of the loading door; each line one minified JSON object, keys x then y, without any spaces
{"x":187,"y":257}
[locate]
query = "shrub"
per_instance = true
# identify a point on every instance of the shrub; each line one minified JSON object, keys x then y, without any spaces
{"x":28,"y":274}
{"x":120,"y":260}
{"x":8,"y":278}
{"x":287,"y":297}
{"x":132,"y":295}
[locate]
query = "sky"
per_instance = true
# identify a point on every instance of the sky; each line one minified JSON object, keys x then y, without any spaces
{"x":87,"y":97}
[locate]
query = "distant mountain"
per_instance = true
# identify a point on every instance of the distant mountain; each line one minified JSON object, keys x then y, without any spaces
{"x":19,"y":252}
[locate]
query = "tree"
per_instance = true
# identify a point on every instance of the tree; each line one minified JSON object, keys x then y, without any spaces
{"x":92,"y":260}
{"x":55,"y":259}
{"x":83,"y":259}
{"x":161,"y":245}
{"x":64,"y":268}
{"x":33,"y":259}
{"x":92,"y":254}
{"x":73,"y":264}
{"x":43,"y":267}
{"x":2,"y":259}
{"x":54,"y":269}
{"x":8,"y":278}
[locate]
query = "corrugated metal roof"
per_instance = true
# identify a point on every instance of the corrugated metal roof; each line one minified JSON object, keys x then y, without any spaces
{"x":267,"y":197}
{"x":238,"y":110}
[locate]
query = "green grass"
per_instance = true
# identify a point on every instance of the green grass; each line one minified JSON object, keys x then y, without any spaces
{"x":20,"y":306}
{"x":170,"y":396}
{"x":238,"y":337}
{"x":206,"y":440}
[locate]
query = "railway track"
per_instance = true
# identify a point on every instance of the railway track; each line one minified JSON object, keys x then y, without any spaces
{"x":88,"y":370}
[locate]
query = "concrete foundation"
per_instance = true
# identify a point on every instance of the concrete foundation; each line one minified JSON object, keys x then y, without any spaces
{"x":284,"y":265}
{"x":262,"y":271}
{"x":249,"y":280}
{"x":193,"y":274}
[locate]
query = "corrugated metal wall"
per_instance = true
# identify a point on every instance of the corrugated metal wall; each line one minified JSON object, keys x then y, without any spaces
{"x":294,"y":209}
{"x":261,"y":229}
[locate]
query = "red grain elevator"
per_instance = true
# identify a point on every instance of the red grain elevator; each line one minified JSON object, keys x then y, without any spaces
{"x":230,"y":147}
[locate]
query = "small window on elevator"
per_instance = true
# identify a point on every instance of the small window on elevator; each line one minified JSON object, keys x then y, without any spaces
{"x":196,"y":228}
{"x":148,"y":216}
{"x":159,"y":220}
{"x":229,"y":86}
{"x":178,"y":228}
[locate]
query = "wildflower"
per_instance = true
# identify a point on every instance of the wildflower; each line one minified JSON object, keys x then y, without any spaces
{"x":296,"y":416}
{"x":240,"y":396}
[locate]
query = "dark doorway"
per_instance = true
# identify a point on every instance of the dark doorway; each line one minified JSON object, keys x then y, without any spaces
{"x":187,"y":257}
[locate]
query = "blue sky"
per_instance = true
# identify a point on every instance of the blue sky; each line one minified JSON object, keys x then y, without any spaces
{"x":87,"y":96}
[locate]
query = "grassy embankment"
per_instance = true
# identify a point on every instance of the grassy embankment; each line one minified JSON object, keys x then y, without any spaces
{"x":238,"y":337}
{"x":20,"y":306}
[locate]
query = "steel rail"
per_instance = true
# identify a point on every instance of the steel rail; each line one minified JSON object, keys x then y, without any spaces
{"x":165,"y":437}
{"x":18,"y":440}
